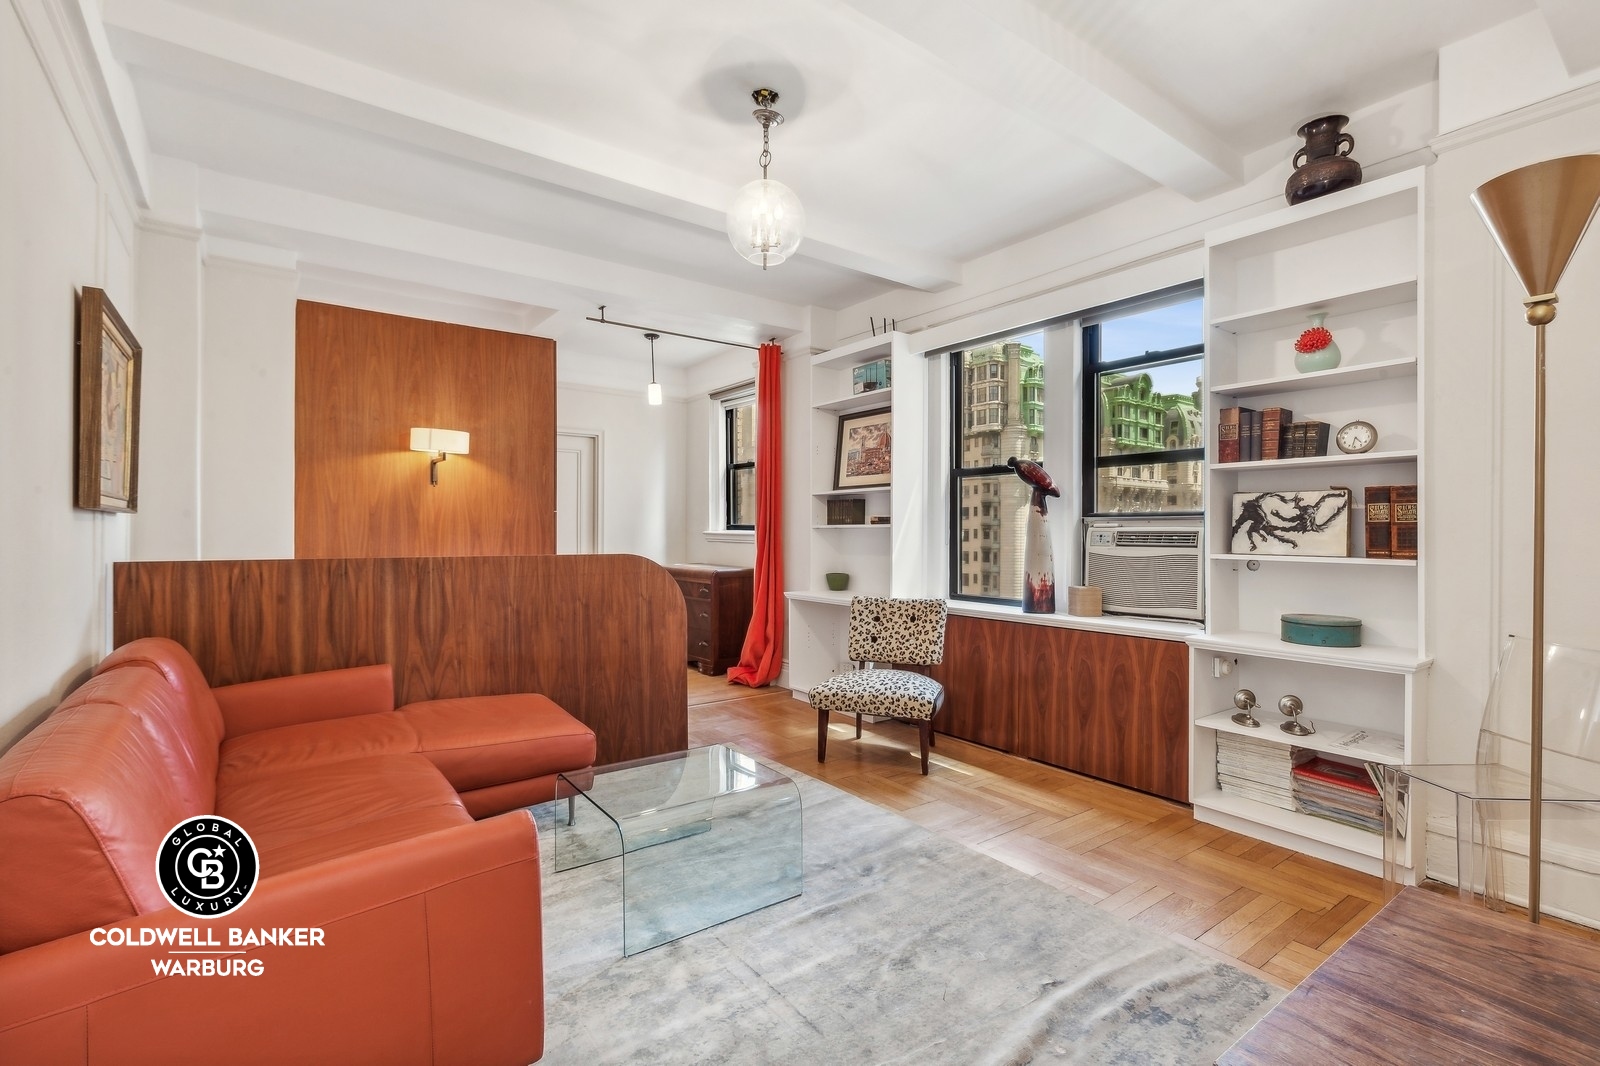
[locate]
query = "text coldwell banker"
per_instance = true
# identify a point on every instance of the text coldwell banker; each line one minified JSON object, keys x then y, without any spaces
{"x":199,"y":939}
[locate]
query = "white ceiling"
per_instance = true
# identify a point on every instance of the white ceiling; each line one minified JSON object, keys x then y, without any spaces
{"x":542,"y":158}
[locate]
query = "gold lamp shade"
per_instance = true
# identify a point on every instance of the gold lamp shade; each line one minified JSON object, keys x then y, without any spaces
{"x":1537,"y":215}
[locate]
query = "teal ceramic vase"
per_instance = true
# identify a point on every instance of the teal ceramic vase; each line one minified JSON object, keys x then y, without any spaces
{"x":1314,"y":349}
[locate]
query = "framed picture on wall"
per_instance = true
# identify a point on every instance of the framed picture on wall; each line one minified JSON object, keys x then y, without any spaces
{"x":109,"y":364}
{"x":862,"y":458}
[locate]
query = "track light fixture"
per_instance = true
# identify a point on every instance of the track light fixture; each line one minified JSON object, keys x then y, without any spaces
{"x":653,"y":393}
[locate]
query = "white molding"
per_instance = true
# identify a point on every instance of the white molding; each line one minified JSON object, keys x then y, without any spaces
{"x":1511,"y":121}
{"x":161,"y":228}
{"x":255,"y":256}
{"x":729,"y":536}
{"x":58,"y":34}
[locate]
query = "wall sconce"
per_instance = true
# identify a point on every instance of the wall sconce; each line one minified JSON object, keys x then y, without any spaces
{"x":443,"y":443}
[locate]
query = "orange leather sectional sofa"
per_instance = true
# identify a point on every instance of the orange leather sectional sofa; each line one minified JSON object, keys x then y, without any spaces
{"x":384,"y":828}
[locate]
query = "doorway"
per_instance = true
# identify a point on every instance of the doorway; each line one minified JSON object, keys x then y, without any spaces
{"x":577,"y":492}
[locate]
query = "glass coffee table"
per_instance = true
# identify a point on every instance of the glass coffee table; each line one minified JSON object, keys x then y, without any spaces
{"x":703,"y":835}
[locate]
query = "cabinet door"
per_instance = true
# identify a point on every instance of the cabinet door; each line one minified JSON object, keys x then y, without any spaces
{"x":981,"y":689}
{"x":1129,"y":700}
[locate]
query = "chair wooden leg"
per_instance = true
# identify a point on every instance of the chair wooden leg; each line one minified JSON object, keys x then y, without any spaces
{"x":925,"y":730}
{"x":858,"y":726}
{"x":822,"y":736}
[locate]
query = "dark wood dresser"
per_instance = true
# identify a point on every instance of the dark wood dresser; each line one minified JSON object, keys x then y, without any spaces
{"x":718,"y":601}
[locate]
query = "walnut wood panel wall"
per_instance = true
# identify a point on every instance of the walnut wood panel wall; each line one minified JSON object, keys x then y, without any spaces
{"x":362,"y":380}
{"x":602,"y":635}
{"x":1111,"y":706}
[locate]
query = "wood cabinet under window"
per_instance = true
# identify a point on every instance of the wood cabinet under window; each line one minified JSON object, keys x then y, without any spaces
{"x":718,"y":599}
{"x":1104,"y":704}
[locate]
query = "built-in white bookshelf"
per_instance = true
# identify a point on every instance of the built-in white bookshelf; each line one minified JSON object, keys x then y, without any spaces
{"x":1357,"y":257}
{"x":874,"y":551}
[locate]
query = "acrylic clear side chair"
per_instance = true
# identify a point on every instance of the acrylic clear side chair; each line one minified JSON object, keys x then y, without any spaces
{"x":1491,"y":795}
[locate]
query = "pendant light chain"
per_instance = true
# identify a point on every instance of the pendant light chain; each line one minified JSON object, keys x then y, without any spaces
{"x":765,"y":159}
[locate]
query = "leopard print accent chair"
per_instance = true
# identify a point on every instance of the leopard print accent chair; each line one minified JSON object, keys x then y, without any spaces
{"x":896,"y":632}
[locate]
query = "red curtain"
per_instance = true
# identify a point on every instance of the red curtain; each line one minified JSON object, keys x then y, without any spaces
{"x":762,"y":656}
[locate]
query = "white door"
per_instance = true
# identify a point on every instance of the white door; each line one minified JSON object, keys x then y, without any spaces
{"x":577,"y":493}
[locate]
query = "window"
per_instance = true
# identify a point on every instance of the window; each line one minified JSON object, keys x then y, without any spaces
{"x":988,"y":431}
{"x":739,"y":460}
{"x":1142,"y":369}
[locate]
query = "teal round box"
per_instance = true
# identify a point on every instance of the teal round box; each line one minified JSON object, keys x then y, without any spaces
{"x":1321,"y":630}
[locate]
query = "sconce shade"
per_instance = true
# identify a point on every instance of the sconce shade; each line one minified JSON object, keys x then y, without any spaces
{"x":1538,"y":215}
{"x":440,"y":441}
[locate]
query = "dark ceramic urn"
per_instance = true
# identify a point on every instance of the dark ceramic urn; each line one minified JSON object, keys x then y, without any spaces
{"x":1324,"y":164}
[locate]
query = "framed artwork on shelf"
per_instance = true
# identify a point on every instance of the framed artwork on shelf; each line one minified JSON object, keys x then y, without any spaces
{"x":1291,"y":522}
{"x":109,"y":365}
{"x":862,"y":457}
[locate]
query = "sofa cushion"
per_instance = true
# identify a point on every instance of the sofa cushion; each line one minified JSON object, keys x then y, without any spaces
{"x":201,"y":719}
{"x":303,"y":815}
{"x":480,"y":741}
{"x":83,"y":809}
{"x":475,"y":741}
{"x":295,"y":747}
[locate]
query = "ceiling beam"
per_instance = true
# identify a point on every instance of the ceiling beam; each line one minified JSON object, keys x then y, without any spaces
{"x":1023,"y":60}
{"x":330,"y":232}
{"x":181,"y":42}
{"x":1571,"y":24}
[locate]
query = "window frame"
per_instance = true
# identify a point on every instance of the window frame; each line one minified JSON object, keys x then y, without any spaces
{"x":1089,"y":429}
{"x":957,"y":475}
{"x":731,"y":402}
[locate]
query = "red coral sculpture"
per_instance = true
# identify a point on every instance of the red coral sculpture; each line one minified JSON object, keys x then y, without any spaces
{"x":1313,"y":340}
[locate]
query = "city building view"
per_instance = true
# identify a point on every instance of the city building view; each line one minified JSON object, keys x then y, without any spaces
{"x":1141,"y":415}
{"x":1003,"y":416}
{"x":1137,"y":419}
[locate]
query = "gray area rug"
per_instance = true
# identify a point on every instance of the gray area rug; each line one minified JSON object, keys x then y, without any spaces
{"x":904,"y":948}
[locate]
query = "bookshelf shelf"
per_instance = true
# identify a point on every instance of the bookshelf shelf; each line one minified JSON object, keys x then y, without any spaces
{"x":1313,"y":560}
{"x":1331,"y":738}
{"x":1364,"y":298}
{"x":1410,"y":455}
{"x":861,"y":401}
{"x":834,"y":494}
{"x":1353,"y":374}
{"x":1357,"y":842}
{"x":1359,"y":257}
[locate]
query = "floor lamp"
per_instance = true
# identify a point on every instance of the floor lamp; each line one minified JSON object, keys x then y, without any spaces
{"x":1537,"y":215}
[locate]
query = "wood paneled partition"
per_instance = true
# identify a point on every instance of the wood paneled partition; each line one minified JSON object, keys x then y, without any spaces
{"x":363,"y":380}
{"x":1111,"y":706}
{"x":601,"y":635}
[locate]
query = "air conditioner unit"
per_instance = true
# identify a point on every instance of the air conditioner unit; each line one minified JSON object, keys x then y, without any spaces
{"x":1146,"y":569}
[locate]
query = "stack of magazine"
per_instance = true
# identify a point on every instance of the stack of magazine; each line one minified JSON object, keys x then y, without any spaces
{"x":1258,"y":769}
{"x":1340,"y":792}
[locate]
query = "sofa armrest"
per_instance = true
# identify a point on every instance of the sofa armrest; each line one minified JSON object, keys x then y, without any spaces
{"x":257,"y":705}
{"x":432,"y":953}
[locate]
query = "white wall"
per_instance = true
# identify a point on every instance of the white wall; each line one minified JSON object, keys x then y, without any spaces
{"x":1480,"y":452}
{"x":168,"y":526}
{"x":247,"y":411}
{"x":703,"y":446}
{"x":642,"y":479}
{"x":65,"y":223}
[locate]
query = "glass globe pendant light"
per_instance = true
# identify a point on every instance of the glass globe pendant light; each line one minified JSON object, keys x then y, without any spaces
{"x":766,"y":221}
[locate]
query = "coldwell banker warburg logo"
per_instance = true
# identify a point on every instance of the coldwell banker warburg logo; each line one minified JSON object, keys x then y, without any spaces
{"x":207,"y":866}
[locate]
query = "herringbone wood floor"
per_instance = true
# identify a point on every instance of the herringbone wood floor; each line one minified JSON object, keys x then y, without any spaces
{"x":1263,"y":907}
